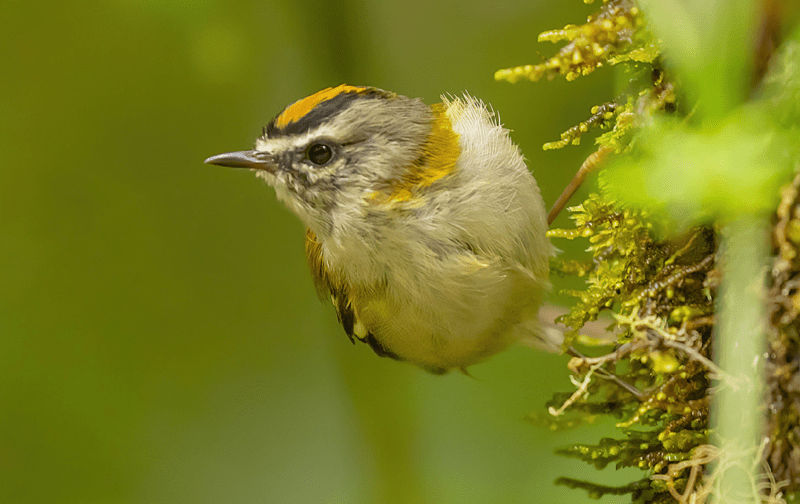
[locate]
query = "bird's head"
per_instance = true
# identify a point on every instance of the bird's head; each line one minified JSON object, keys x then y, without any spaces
{"x":341,"y":148}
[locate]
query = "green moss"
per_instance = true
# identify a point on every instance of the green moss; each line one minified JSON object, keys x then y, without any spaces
{"x":659,"y":281}
{"x":613,"y":35}
{"x":661,"y":290}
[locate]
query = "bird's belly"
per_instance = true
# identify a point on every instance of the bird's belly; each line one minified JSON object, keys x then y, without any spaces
{"x":458,"y":329}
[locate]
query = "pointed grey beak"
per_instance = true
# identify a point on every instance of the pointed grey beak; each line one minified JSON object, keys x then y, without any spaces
{"x":245,"y":159}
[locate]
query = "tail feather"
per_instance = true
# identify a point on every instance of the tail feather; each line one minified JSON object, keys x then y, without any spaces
{"x":545,"y":334}
{"x":540,"y":335}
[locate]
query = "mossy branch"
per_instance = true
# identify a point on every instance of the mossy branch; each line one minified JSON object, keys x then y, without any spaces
{"x":653,"y":234}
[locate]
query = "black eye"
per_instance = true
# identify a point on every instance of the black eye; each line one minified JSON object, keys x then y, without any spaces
{"x":319,"y":153}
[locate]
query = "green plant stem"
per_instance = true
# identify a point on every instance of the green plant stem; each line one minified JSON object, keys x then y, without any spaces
{"x":737,"y":412}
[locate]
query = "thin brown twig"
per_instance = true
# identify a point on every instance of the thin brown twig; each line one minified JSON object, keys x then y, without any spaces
{"x":591,"y":163}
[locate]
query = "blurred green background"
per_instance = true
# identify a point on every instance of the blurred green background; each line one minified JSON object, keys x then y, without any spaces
{"x":160,"y":337}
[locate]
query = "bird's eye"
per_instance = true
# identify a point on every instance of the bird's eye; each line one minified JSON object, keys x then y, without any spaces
{"x":319,"y":154}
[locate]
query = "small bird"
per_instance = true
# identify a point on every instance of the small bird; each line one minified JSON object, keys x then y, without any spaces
{"x":425,"y":228}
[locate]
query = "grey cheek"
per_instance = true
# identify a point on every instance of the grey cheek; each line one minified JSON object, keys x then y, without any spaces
{"x":352,"y":161}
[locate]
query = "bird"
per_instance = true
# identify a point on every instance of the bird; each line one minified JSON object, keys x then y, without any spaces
{"x":424,"y":226}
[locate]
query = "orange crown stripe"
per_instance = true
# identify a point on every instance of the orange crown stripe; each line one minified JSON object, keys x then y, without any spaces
{"x":300,"y":108}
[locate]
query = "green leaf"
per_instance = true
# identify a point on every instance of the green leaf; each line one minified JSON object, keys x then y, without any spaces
{"x":717,"y":171}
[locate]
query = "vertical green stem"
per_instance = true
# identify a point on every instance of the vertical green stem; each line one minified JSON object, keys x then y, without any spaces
{"x":737,"y":411}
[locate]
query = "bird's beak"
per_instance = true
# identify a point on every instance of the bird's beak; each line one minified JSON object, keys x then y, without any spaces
{"x":245,"y":159}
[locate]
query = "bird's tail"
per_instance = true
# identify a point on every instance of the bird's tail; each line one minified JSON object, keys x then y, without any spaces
{"x":540,"y":333}
{"x":543,"y":333}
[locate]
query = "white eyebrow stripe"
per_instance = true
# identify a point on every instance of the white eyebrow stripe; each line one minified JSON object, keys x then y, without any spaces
{"x":292,"y":142}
